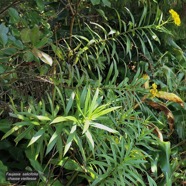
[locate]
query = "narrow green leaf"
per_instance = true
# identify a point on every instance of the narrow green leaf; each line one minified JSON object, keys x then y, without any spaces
{"x":151,"y":181}
{"x":59,"y":145}
{"x":11,"y":131}
{"x":64,"y":118}
{"x":165,"y":158}
{"x":97,"y":113}
{"x":70,"y":102}
{"x":70,"y":139}
{"x":71,"y":164}
{"x":52,"y":142}
{"x":102,"y":13}
{"x":109,"y":73}
{"x":86,"y":126}
{"x":36,"y":165}
{"x":87,"y":100}
{"x":94,"y":102}
{"x":40,"y":149}
{"x":79,"y":143}
{"x":36,"y":136}
{"x":57,"y":51}
{"x":43,"y":118}
{"x":143,"y":16}
{"x":90,"y":140}
{"x":23,"y":134}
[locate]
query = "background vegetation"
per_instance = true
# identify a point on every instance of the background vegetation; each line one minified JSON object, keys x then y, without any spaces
{"x":92,"y":91}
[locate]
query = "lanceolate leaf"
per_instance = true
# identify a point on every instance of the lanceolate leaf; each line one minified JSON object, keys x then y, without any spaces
{"x":52,"y":142}
{"x":36,"y":136}
{"x":70,"y":139}
{"x":90,"y":140}
{"x":103,"y":127}
{"x":165,"y":159}
{"x":170,"y":97}
{"x":100,"y":112}
{"x":63,"y":118}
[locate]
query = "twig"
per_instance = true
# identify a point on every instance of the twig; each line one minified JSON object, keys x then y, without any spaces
{"x":10,"y":5}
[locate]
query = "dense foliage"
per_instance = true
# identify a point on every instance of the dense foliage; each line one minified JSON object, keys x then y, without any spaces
{"x":92,"y":91}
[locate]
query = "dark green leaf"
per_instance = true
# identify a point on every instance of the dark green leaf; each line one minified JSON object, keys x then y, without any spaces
{"x":106,"y":3}
{"x":95,"y":2}
{"x":3,"y":34}
{"x":14,"y":15}
{"x":35,"y":35}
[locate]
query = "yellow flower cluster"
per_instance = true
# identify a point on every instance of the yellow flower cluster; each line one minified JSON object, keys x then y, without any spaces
{"x":154,"y":90}
{"x":175,"y":17}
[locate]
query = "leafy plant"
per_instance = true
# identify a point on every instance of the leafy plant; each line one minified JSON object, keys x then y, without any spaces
{"x":93,"y":92}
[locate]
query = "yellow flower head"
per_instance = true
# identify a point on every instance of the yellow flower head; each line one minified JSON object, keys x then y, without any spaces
{"x":175,"y":17}
{"x":154,"y":90}
{"x":154,"y":86}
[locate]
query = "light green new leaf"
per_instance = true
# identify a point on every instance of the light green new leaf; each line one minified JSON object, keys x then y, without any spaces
{"x":86,"y":126}
{"x":43,"y":118}
{"x":62,"y":118}
{"x":97,"y":113}
{"x":103,"y":127}
{"x":36,"y":136}
{"x":90,"y":140}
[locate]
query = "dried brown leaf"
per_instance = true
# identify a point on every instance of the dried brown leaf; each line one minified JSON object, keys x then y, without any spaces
{"x":167,"y":112}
